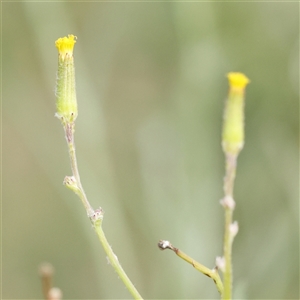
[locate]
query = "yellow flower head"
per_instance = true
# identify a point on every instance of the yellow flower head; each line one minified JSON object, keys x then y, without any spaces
{"x":65,"y":46}
{"x":237,"y":80}
{"x":66,"y":102}
{"x":233,"y":126}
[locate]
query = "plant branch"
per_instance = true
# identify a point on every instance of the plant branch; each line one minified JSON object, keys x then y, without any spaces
{"x":113,"y":259}
{"x":213,"y":274}
{"x":78,"y":189}
{"x":67,"y":112}
{"x":96,"y":216}
{"x":229,"y":205}
{"x":232,"y":143}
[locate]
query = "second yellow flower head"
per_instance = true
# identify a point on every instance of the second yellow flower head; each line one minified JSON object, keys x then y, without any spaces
{"x":233,"y":125}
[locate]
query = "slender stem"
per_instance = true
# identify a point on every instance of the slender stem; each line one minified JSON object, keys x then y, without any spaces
{"x":69,"y":132}
{"x":227,"y":256}
{"x":228,"y":204}
{"x":213,"y":274}
{"x":115,"y":262}
{"x":97,"y":215}
{"x":230,"y":174}
{"x":69,"y":129}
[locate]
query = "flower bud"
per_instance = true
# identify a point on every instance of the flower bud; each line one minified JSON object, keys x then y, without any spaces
{"x":66,"y":103}
{"x":233,"y":126}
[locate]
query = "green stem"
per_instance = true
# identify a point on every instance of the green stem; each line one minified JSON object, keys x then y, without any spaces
{"x":115,"y":262}
{"x":228,"y":204}
{"x":67,"y":113}
{"x":227,"y":256}
{"x":213,"y":274}
{"x":69,"y":132}
{"x":95,"y":216}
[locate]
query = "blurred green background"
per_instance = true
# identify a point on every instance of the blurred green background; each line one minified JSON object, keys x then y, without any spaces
{"x":151,"y":84}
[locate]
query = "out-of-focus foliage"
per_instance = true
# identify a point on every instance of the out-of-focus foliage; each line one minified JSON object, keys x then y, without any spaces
{"x":151,"y":86}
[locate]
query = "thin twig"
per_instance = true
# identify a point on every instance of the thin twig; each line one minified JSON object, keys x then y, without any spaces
{"x":96,"y":216}
{"x":228,"y":204}
{"x":96,"y":219}
{"x":213,"y":274}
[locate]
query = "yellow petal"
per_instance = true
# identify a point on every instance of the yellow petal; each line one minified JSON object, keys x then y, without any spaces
{"x":65,"y":46}
{"x":237,"y":80}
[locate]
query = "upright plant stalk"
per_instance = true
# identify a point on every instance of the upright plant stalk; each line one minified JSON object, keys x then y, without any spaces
{"x":232,"y":143}
{"x":67,"y":112}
